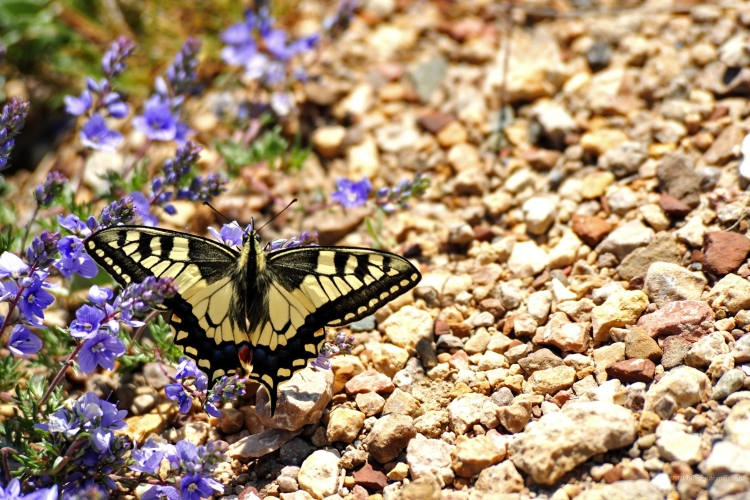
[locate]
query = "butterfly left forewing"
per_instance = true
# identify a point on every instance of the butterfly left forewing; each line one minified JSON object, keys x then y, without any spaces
{"x":313,"y":287}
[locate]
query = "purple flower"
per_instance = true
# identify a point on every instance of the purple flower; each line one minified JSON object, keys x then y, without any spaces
{"x":11,"y":266}
{"x":77,"y":106}
{"x":95,"y":135}
{"x":12,"y":120}
{"x":13,"y":492}
{"x":100,"y":349}
{"x":148,"y":458}
{"x":34,"y":299}
{"x":158,"y":122}
{"x":22,"y":342}
{"x":115,"y":106}
{"x":74,"y":260}
{"x":352,"y":194}
{"x":118,"y":212}
{"x":113,"y":62}
{"x":182,"y":72}
{"x":87,"y":322}
{"x":161,"y":493}
{"x":76,"y":226}
{"x":230,"y":235}
{"x":45,"y":194}
{"x":195,"y":487}
{"x":100,"y":296}
{"x":42,"y":249}
{"x":142,"y":206}
{"x":176,"y":392}
{"x":186,"y":369}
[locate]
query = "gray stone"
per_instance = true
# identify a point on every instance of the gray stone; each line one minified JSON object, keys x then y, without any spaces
{"x":732,"y":381}
{"x":625,"y":239}
{"x":662,"y":249}
{"x":428,"y":76}
{"x":624,"y":159}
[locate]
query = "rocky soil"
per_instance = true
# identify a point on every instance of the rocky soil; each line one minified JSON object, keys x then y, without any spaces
{"x":581,"y":330}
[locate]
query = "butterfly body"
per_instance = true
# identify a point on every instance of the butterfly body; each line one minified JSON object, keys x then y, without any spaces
{"x":275,"y":304}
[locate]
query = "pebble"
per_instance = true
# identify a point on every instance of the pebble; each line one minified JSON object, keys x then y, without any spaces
{"x":624,"y":159}
{"x":344,"y":367}
{"x":667,"y":282}
{"x":632,"y":370}
{"x":231,"y":421}
{"x":677,"y":177}
{"x":730,"y":382}
{"x":626,"y":238}
{"x":724,"y":252}
{"x":662,"y":249}
{"x":679,"y":388}
{"x":640,"y":345}
{"x":622,"y":201}
{"x":432,"y":423}
{"x":620,"y":309}
{"x":540,"y":360}
{"x":590,"y":229}
{"x":319,"y":474}
{"x":430,"y":457}
{"x":389,"y":436}
{"x":550,"y":380}
{"x":344,"y":425}
{"x":478,"y":342}
{"x":370,"y":381}
{"x":539,"y":214}
{"x":577,"y":433}
{"x":605,"y":356}
{"x":514,"y":417}
{"x":501,"y":479}
{"x":692,"y":233}
{"x":258,"y":445}
{"x":638,"y":488}
{"x":673,"y":207}
{"x":389,"y":359}
{"x":706,"y":349}
{"x":370,"y":403}
{"x":327,"y":140}
{"x":469,"y":409}
{"x":726,"y":458}
{"x":403,"y":403}
{"x":565,"y":252}
{"x":527,"y":259}
{"x":595,"y":185}
{"x":724,"y":147}
{"x":370,"y":478}
{"x":407,"y":326}
{"x":691,"y":319}
{"x":424,"y":488}
{"x":675,"y":350}
{"x":471,"y":456}
{"x":675,"y":444}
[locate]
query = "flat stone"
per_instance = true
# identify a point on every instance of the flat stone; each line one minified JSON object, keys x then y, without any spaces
{"x":623,"y":159}
{"x":500,"y":479}
{"x":344,"y":368}
{"x":424,"y":488}
{"x":539,"y":214}
{"x":674,"y":207}
{"x":551,"y":380}
{"x":564,"y":334}
{"x":640,"y":345}
{"x":623,"y":490}
{"x":469,"y":409}
{"x":370,"y":403}
{"x":726,"y":458}
{"x":591,"y":229}
{"x":626,"y":238}
{"x":430,"y":457}
{"x":561,"y":441}
{"x":724,"y":146}
{"x":407,"y":326}
{"x":724,"y":252}
{"x":432,"y":423}
{"x":389,"y":436}
{"x":675,"y":350}
{"x":319,"y":474}
{"x":261,"y":444}
{"x":514,"y":417}
{"x":677,"y":178}
{"x":605,"y":356}
{"x":370,"y":381}
{"x":389,"y":359}
{"x":689,"y":318}
{"x":434,"y":121}
{"x":539,"y":360}
{"x":370,"y":478}
{"x":403,"y":403}
{"x":663,"y":248}
{"x":472,"y":456}
{"x":527,"y":259}
{"x":679,"y":388}
{"x":666,"y":282}
{"x":619,"y":310}
{"x":632,"y":370}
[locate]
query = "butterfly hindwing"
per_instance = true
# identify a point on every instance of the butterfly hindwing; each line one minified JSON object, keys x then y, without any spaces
{"x":314,"y":287}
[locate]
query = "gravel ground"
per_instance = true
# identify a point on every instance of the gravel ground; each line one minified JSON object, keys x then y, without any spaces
{"x":581,"y":327}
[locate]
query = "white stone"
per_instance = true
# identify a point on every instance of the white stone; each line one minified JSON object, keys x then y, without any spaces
{"x":538,"y":305}
{"x":430,"y":457}
{"x":319,"y":474}
{"x":539,"y":214}
{"x":565,"y":252}
{"x":407,"y":326}
{"x":692,"y":233}
{"x":679,"y":388}
{"x":527,"y":259}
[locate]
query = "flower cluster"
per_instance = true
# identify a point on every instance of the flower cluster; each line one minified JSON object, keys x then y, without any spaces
{"x":97,"y":325}
{"x":87,"y":443}
{"x":191,"y":382}
{"x":25,"y":287}
{"x":45,"y":194}
{"x":12,"y":120}
{"x":178,"y":183}
{"x":389,"y":199}
{"x":341,"y":343}
{"x":160,"y":120}
{"x":266,"y":55}
{"x":95,"y":133}
{"x":190,"y":469}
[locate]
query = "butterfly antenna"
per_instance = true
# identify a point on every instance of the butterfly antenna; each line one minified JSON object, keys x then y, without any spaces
{"x":219,"y":213}
{"x":280,"y":212}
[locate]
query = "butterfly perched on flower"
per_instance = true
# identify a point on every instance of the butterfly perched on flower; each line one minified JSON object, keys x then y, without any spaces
{"x":245,"y":307}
